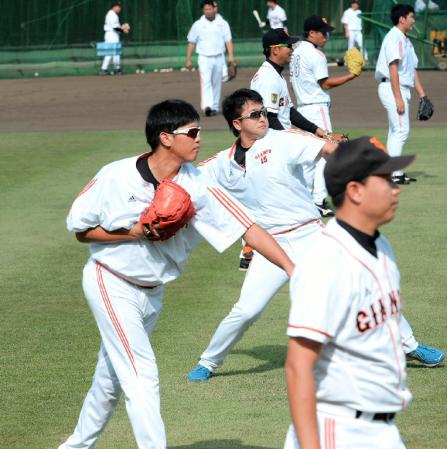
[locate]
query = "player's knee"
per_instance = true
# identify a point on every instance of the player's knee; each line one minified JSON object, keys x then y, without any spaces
{"x":247,"y":315}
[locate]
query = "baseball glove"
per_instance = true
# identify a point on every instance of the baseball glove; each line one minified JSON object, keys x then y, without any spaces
{"x":125,"y":27}
{"x":354,"y":61}
{"x":425,"y":109}
{"x":170,"y":210}
{"x":232,"y":70}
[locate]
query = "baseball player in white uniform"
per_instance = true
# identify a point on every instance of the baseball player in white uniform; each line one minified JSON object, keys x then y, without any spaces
{"x":311,"y":82}
{"x":276,"y":16}
{"x":345,"y":366}
{"x":353,"y":27}
{"x":112,"y":29}
{"x":264,"y":170}
{"x":211,"y":37}
{"x":396,"y":72}
{"x":125,"y":275}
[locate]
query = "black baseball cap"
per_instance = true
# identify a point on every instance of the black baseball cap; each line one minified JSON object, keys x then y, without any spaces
{"x":356,"y":160}
{"x":277,"y":37}
{"x":317,"y":23}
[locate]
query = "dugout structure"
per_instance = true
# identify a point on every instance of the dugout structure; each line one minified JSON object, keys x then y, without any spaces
{"x":59,"y":37}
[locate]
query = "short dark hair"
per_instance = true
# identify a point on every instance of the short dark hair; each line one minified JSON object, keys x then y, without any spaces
{"x":338,"y":200}
{"x":207,"y":2}
{"x":400,"y":10}
{"x":233,"y":104}
{"x":168,"y":116}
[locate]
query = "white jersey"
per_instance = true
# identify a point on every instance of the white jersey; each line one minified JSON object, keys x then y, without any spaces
{"x":352,"y":20}
{"x":397,"y":46}
{"x":274,"y":92}
{"x":116,"y":197}
{"x":276,"y":16}
{"x":308,"y":66}
{"x":271,"y":186}
{"x":349,"y":301}
{"x":210,"y":36}
{"x":112,"y":21}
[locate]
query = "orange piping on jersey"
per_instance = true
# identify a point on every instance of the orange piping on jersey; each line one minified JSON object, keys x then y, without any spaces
{"x":329,"y":433}
{"x":297,"y":227}
{"x":233,"y":148}
{"x":112,"y":315}
{"x":304,"y":133}
{"x":123,"y":278}
{"x":228,"y":203}
{"x":323,"y":116}
{"x":207,"y":160}
{"x":89,"y":185}
{"x":382,"y":293}
{"x":293,"y":326}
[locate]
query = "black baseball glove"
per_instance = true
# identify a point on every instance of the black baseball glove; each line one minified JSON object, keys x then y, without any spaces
{"x":425,"y":109}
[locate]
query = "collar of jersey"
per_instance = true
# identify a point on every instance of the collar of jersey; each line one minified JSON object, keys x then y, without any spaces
{"x":277,"y":67}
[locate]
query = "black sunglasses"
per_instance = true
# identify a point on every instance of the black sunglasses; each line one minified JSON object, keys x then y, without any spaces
{"x":254,"y":115}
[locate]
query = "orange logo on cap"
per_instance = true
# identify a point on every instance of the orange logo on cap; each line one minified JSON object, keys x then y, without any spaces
{"x":378,"y":144}
{"x":324,"y":20}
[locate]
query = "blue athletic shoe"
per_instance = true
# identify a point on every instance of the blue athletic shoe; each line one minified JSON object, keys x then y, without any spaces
{"x":427,"y":355}
{"x":199,"y":374}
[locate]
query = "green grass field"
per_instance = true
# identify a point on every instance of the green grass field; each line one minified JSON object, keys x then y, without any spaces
{"x":49,"y":339}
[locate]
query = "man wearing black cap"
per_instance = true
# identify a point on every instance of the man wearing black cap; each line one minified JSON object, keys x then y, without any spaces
{"x":272,"y":86}
{"x":311,"y":82}
{"x":345,"y":365}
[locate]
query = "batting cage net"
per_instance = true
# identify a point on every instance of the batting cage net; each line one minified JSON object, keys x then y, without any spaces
{"x":60,"y":37}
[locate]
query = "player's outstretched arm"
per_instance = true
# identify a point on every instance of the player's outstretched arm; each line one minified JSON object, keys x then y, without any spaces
{"x":334,"y":81}
{"x":265,"y":244}
{"x":302,"y":355}
{"x":100,"y":235}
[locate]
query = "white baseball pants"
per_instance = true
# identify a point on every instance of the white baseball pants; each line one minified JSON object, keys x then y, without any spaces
{"x":111,"y":37}
{"x":398,"y":124}
{"x":211,"y":71}
{"x":313,"y":174}
{"x":356,"y":37}
{"x":342,"y":432}
{"x":126,"y":316}
{"x":262,"y":281}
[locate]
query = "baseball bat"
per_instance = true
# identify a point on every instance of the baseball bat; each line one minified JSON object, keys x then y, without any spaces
{"x":258,"y":19}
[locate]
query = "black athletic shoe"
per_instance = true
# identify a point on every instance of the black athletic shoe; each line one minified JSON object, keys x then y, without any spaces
{"x":103,"y":72}
{"x":325,"y":210}
{"x":208,"y":112}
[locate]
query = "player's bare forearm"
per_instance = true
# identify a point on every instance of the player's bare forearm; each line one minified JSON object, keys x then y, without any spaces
{"x":334,"y":81}
{"x":265,"y":244}
{"x":100,"y":235}
{"x":328,"y":148}
{"x":395,"y":87}
{"x":230,"y":50}
{"x":418,"y":85}
{"x":301,"y":357}
{"x":189,"y":51}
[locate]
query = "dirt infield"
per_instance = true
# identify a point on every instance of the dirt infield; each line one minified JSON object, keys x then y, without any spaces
{"x":121,"y":102}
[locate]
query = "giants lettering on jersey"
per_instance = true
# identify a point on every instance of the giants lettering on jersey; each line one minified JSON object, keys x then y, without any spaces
{"x":262,"y":156}
{"x":377,"y":313}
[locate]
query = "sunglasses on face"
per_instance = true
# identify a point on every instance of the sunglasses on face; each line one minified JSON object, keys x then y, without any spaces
{"x":254,"y":115}
{"x":282,"y":45}
{"x":190,"y":132}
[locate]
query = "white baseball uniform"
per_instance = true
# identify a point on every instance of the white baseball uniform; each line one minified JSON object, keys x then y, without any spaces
{"x":111,"y":36}
{"x":276,"y":17}
{"x":210,"y":37}
{"x":353,"y":23}
{"x":308,"y":66}
{"x":272,"y":187}
{"x":274,"y":92}
{"x":396,"y":46}
{"x":124,"y":282}
{"x":354,"y":310}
